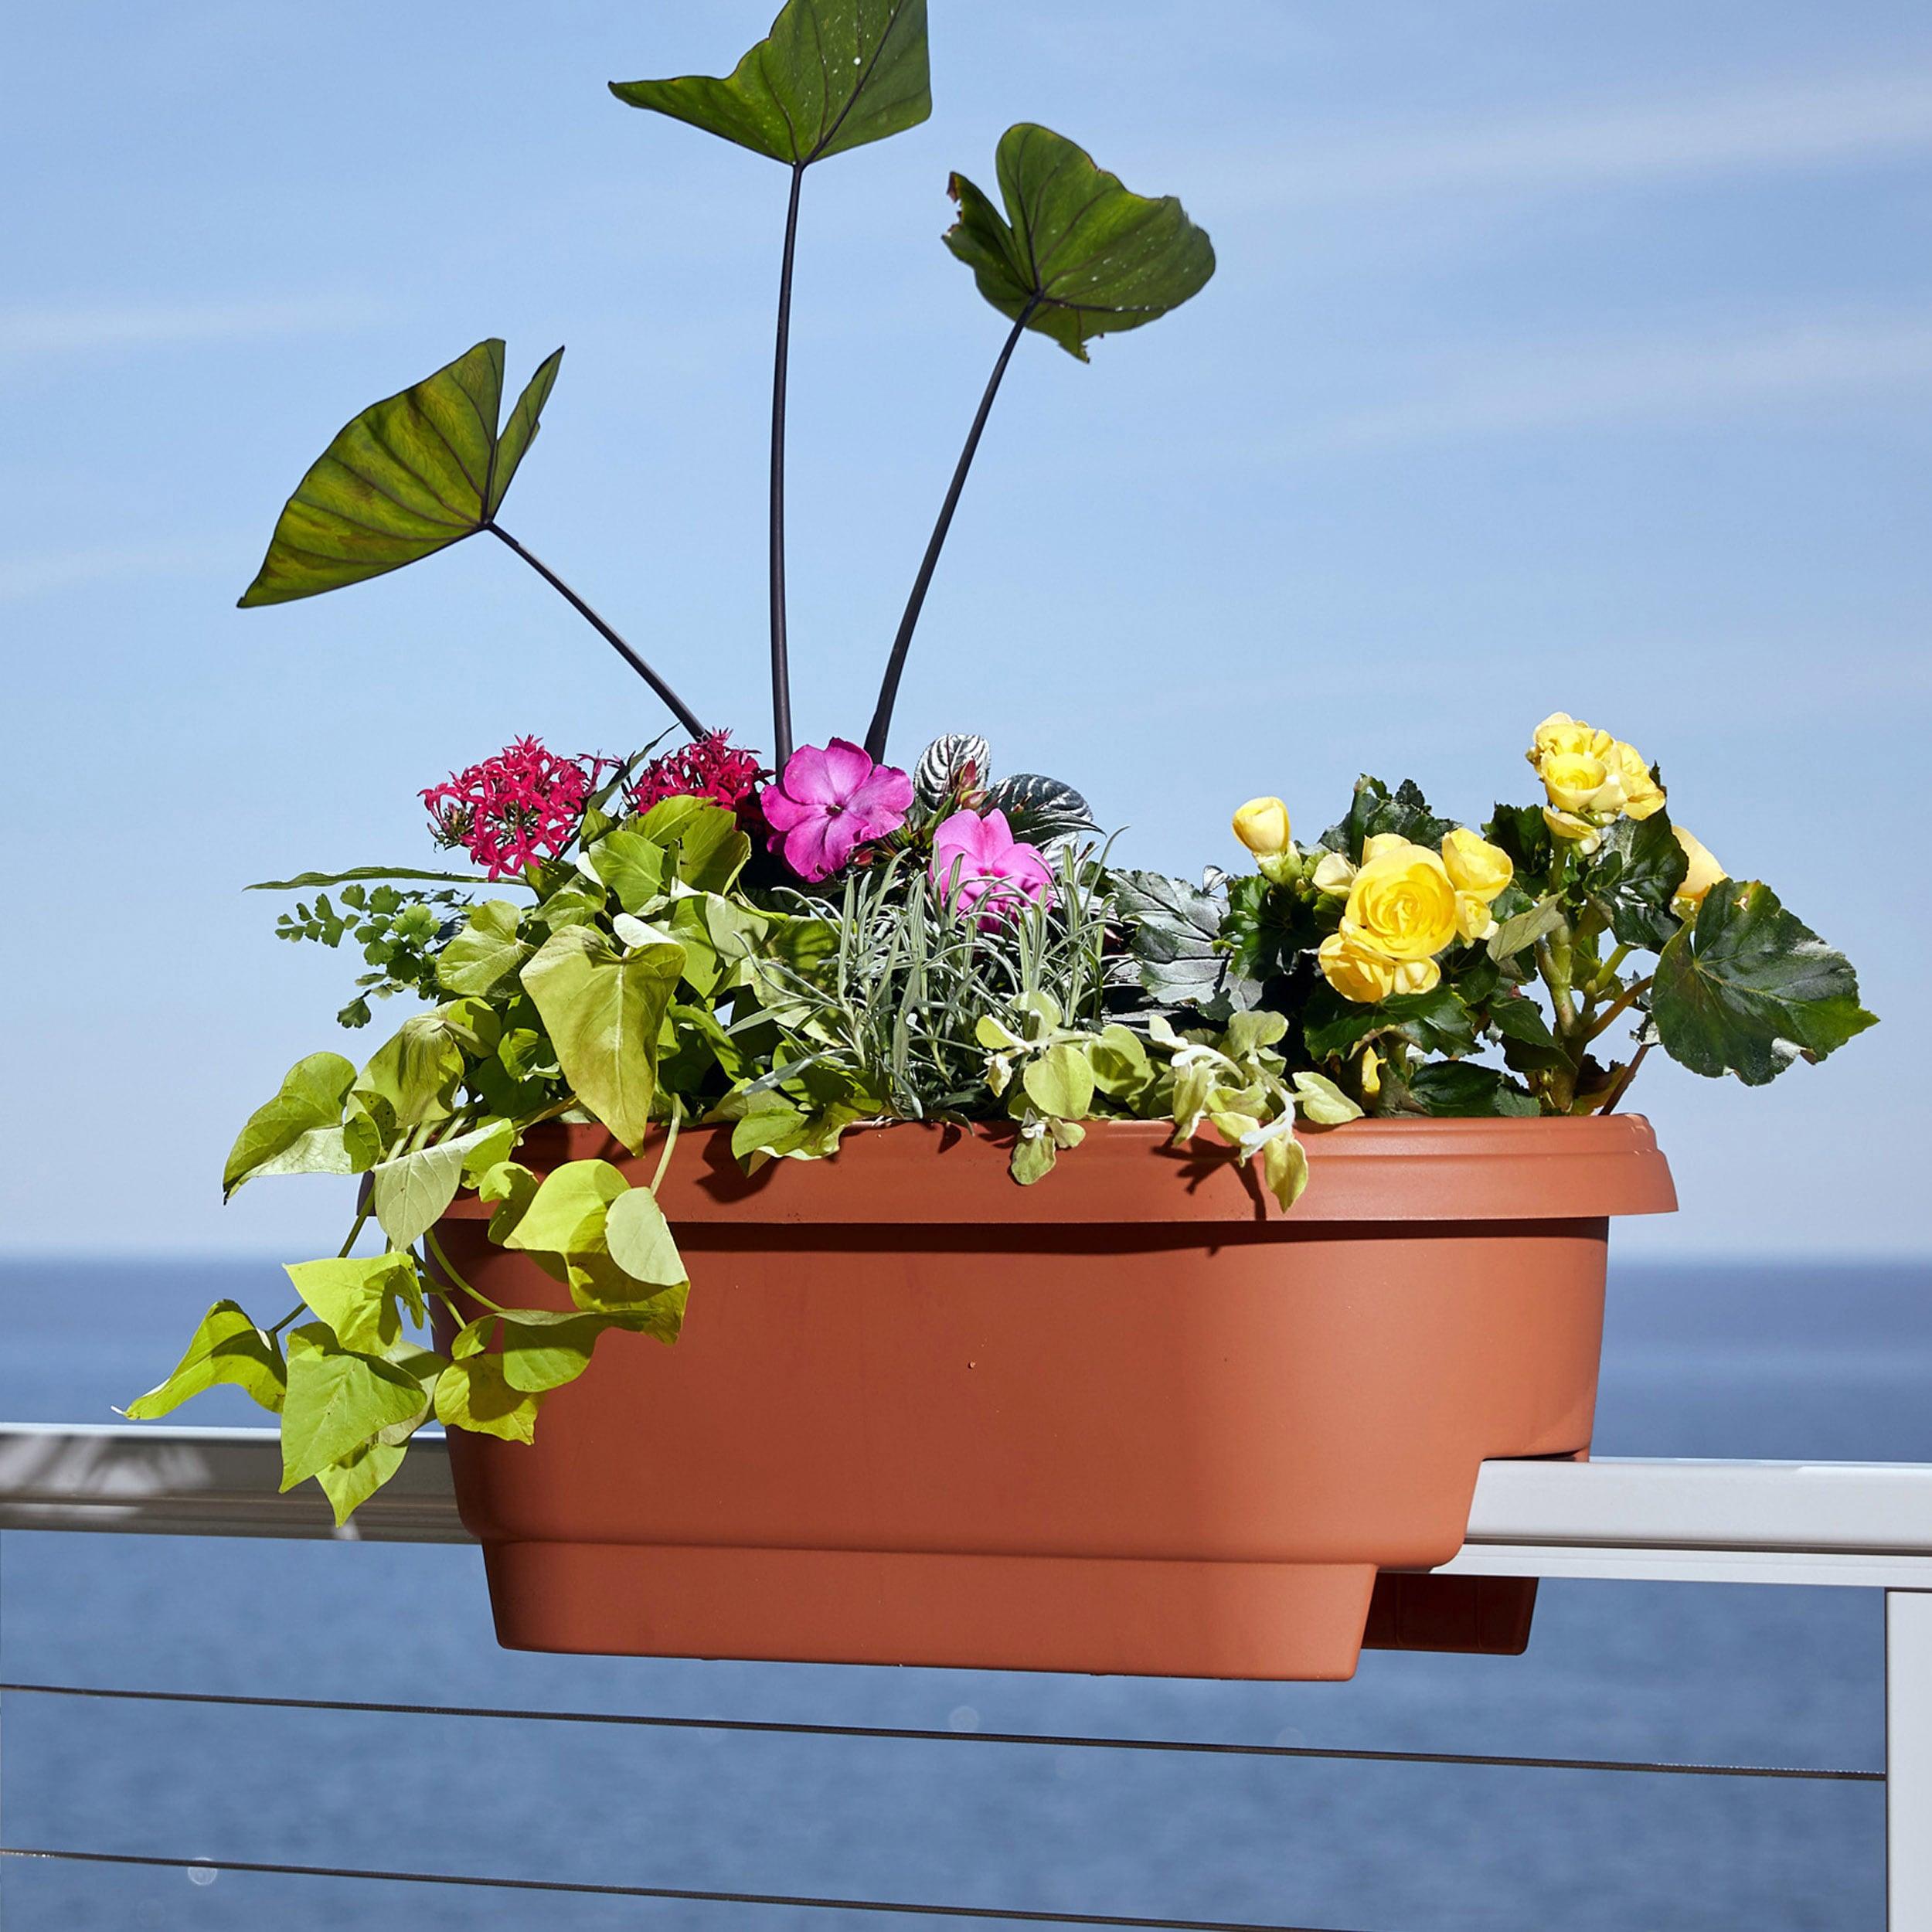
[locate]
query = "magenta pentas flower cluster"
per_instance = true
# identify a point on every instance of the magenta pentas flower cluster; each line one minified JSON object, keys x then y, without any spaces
{"x":709,"y":767}
{"x":829,"y":801}
{"x":512,"y":811}
{"x":980,"y":868}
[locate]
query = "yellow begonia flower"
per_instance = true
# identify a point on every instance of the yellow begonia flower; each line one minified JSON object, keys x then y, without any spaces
{"x":1262,"y":825}
{"x":1334,"y":874}
{"x":1474,"y":865}
{"x":1402,"y":903}
{"x":1577,"y":782}
{"x":1704,"y":872}
{"x":1367,"y":976}
{"x":1473,"y":918}
{"x":1589,"y":774}
{"x":1642,"y":793}
{"x":1560,"y":735}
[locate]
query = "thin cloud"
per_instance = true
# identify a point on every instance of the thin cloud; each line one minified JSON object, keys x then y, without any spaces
{"x":29,"y":334}
{"x":1859,"y":117}
{"x":1545,"y":389}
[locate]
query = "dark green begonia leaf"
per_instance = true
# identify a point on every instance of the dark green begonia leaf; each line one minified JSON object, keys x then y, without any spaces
{"x":830,"y":75}
{"x":410,"y":476}
{"x":1436,"y":1021}
{"x":1375,"y":810}
{"x":1634,"y":875}
{"x":1748,"y":989}
{"x":1077,"y":254}
{"x":1455,"y":1089}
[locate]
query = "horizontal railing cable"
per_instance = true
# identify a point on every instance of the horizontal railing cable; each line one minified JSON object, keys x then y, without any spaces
{"x":767,"y":1727}
{"x":684,"y":1894}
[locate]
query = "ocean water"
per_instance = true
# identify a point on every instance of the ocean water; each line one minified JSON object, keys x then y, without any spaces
{"x":1813,"y":1362}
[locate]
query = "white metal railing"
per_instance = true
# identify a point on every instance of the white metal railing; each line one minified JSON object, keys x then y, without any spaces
{"x":1864,"y":1526}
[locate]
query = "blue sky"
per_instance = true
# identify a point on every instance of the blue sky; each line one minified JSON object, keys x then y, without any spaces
{"x":1559,"y":356}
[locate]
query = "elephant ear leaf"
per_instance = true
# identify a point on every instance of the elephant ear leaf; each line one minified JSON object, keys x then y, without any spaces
{"x":409,"y":476}
{"x":1076,"y":255}
{"x":830,"y":75}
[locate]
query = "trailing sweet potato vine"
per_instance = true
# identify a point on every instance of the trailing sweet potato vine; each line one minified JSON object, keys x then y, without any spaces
{"x":794,"y":950}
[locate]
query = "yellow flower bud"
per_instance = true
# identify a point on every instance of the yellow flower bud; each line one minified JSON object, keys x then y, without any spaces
{"x":1704,"y":872}
{"x":1371,"y":1071}
{"x":1474,"y":865}
{"x":1473,"y":918}
{"x":1401,"y":903}
{"x":1579,"y":832}
{"x":1262,"y":825}
{"x":1334,"y":874}
{"x":1361,"y":972}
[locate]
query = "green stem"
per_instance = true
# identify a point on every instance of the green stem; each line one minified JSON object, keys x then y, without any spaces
{"x":301,"y":1307}
{"x":1624,"y":1000}
{"x":1606,"y":975}
{"x":454,"y":1274}
{"x":670,"y":1142}
{"x":1558,"y":982}
{"x":1622,"y":1085}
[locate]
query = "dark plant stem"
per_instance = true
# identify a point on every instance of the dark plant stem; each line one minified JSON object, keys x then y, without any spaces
{"x":889,"y":691}
{"x":679,"y":709}
{"x":1622,"y":1085}
{"x":780,"y":662}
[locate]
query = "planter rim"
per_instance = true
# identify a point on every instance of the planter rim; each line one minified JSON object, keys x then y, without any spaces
{"x":911,"y":1173}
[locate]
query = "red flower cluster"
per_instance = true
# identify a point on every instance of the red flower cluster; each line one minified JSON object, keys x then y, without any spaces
{"x":709,"y":767}
{"x":521,"y":806}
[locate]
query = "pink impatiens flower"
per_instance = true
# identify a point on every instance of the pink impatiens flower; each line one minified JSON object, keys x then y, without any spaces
{"x":829,"y":801}
{"x":521,"y":806}
{"x":980,"y":867}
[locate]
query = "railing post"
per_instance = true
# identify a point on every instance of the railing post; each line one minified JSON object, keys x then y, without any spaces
{"x":1908,"y":1760}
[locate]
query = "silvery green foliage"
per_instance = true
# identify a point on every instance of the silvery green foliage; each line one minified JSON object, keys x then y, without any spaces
{"x":895,"y":1012}
{"x":1181,"y":958}
{"x":948,"y":764}
{"x":1042,"y":811}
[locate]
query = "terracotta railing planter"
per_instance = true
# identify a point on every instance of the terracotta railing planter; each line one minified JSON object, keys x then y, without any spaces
{"x":1133,"y":1419}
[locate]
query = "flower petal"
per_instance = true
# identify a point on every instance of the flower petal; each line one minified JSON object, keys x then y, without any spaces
{"x":782,"y":811}
{"x":808,"y":778}
{"x":846,"y":766}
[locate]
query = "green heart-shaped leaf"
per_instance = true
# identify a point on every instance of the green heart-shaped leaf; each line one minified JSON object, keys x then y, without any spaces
{"x":830,"y":75}
{"x":1748,"y":989}
{"x":338,"y":1399}
{"x":299,"y":1131}
{"x":227,"y":1347}
{"x":409,"y":476}
{"x":1077,"y":255}
{"x":602,"y":1008}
